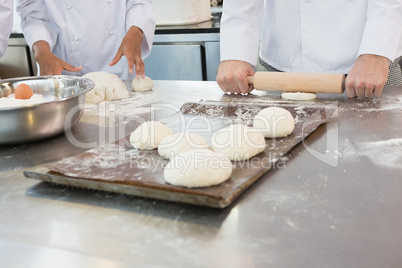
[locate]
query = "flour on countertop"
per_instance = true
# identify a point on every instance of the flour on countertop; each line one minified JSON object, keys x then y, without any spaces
{"x":386,"y":153}
{"x":137,"y":103}
{"x":384,"y":103}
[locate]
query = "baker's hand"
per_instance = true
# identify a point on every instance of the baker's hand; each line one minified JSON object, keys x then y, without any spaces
{"x":49,"y":64}
{"x":131,"y":48}
{"x":232,"y":76}
{"x":367,"y":76}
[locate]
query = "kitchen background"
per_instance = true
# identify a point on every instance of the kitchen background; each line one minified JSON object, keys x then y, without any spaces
{"x":186,"y":44}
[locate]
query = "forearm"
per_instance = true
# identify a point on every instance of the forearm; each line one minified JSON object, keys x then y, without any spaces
{"x":140,"y":14}
{"x":135,"y":32}
{"x":41,"y":48}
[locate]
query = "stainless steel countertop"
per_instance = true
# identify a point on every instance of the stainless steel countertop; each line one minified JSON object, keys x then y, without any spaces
{"x":335,"y":203}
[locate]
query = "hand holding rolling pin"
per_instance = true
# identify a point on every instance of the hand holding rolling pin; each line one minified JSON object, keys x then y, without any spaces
{"x":131,"y":48}
{"x":232,"y":76}
{"x":367,"y":76}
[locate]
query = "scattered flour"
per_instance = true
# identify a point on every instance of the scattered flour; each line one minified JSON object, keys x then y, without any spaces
{"x":138,"y":103}
{"x":12,"y":102}
{"x":384,"y":153}
{"x":387,"y":153}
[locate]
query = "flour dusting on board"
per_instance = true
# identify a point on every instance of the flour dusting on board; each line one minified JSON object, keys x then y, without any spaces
{"x":246,"y":115}
{"x":111,"y":159}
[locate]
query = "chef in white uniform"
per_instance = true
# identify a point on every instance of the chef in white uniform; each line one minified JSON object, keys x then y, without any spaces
{"x":6,"y":23}
{"x":75,"y":37}
{"x":356,"y":37}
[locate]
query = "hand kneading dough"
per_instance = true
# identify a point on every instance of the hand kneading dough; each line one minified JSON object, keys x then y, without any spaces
{"x":238,"y":142}
{"x":140,"y":85}
{"x":198,"y":168}
{"x":298,"y":96}
{"x":149,"y":134}
{"x":274,"y":122}
{"x":107,"y":87}
{"x":181,"y":142}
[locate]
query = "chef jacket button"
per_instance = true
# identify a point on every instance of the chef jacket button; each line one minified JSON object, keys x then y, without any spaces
{"x":76,"y":39}
{"x":69,"y":7}
{"x":109,"y":1}
{"x":111,"y":32}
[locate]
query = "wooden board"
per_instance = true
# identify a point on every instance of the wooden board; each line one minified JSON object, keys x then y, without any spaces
{"x":120,"y":168}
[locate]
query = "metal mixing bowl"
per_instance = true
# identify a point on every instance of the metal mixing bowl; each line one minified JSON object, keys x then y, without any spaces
{"x":63,"y":107}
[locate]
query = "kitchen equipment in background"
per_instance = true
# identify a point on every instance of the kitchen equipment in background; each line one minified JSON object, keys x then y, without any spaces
{"x":179,"y":12}
{"x":63,"y":97}
{"x":215,"y":3}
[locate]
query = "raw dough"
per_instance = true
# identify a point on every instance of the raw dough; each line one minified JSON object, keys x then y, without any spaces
{"x":149,"y":134}
{"x":238,"y":142}
{"x":274,"y":122}
{"x":298,"y":96}
{"x":140,"y":85}
{"x":198,"y":168}
{"x":107,"y":87}
{"x":181,"y":142}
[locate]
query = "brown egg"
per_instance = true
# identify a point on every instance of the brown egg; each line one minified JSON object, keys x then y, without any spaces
{"x":23,"y":92}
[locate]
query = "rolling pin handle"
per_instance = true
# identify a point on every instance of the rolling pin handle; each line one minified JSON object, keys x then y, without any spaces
{"x":250,"y":80}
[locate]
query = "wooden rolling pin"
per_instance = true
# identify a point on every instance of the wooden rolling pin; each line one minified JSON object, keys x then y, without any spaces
{"x":298,"y":82}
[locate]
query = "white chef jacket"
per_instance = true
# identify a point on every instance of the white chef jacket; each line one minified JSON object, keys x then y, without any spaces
{"x":6,"y":23}
{"x":87,"y":33}
{"x":310,"y":35}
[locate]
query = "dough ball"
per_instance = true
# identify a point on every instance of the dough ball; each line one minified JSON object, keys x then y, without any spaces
{"x":238,"y":142}
{"x":274,"y":122}
{"x":97,"y":93}
{"x":149,"y":134}
{"x":142,"y":84}
{"x":181,"y":142}
{"x":198,"y":168}
{"x":107,"y":87}
{"x":298,"y":96}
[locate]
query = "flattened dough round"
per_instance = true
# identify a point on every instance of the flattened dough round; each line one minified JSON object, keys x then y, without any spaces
{"x":148,"y":135}
{"x":274,"y":122}
{"x":181,"y":142}
{"x":238,"y":142}
{"x":298,"y":96}
{"x":142,"y":84}
{"x":107,"y":87}
{"x":198,"y":168}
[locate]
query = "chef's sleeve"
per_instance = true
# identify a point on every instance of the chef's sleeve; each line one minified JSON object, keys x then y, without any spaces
{"x":383,"y":29}
{"x":140,"y":13}
{"x":6,"y":23}
{"x":240,"y":30}
{"x":36,"y":22}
